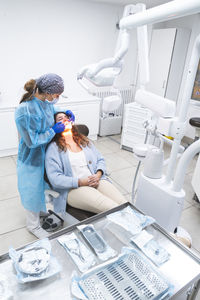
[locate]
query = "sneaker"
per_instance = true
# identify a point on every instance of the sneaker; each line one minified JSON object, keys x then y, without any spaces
{"x":39,"y":232}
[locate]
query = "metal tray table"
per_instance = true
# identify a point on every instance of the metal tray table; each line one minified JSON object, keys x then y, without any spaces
{"x":182,"y":270}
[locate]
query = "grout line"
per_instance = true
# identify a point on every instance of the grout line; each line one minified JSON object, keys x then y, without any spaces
{"x":1,"y":234}
{"x":114,"y":140}
{"x":127,"y":192}
{"x":14,"y":160}
{"x":17,"y":196}
{"x":8,"y":174}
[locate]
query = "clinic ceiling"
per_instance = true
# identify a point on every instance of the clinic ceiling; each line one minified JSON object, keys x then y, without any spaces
{"x":149,"y":3}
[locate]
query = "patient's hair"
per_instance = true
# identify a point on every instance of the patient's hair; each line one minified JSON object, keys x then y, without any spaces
{"x":78,"y":138}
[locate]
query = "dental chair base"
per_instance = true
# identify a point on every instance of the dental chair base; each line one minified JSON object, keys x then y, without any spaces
{"x":156,"y":199}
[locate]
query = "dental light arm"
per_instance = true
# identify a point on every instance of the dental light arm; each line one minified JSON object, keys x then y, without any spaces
{"x":91,"y":71}
{"x":104,"y":72}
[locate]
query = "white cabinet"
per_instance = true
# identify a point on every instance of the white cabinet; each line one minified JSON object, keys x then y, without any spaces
{"x":167,"y":56}
{"x":133,"y":130}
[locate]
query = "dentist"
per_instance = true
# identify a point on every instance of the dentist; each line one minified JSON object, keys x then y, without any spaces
{"x":34,"y":119}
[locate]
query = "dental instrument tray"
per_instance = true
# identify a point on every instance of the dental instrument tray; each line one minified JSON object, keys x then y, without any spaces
{"x":129,"y":277}
{"x":93,"y":238}
{"x":34,"y":260}
{"x":96,"y":242}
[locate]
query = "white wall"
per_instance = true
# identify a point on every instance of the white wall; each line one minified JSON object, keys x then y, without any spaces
{"x":59,"y":36}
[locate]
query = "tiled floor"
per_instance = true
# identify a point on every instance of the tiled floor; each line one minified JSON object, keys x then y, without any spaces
{"x":121,"y":166}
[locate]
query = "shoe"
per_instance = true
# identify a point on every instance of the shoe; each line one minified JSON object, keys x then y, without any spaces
{"x":39,"y":232}
{"x":43,"y":214}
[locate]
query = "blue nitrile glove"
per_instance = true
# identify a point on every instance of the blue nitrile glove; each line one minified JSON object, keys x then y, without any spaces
{"x":58,"y":127}
{"x":70,"y":115}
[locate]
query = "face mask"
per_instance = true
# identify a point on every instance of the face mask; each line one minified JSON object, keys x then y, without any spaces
{"x":54,"y":101}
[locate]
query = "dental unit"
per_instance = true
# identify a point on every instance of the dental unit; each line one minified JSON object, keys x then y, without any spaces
{"x":160,"y":196}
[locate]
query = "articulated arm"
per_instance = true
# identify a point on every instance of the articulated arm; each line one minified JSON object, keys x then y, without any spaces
{"x":90,"y":71}
{"x":104,"y":72}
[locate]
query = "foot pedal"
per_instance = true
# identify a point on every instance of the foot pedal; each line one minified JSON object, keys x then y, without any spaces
{"x":52,"y":222}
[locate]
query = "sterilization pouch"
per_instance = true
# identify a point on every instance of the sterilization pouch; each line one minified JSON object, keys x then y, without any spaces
{"x":130,"y":220}
{"x":79,"y":253}
{"x":34,"y":262}
{"x":96,"y":242}
{"x":151,"y":248}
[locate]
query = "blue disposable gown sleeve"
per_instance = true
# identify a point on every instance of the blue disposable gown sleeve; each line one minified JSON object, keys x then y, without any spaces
{"x":29,"y":128}
{"x":54,"y":169}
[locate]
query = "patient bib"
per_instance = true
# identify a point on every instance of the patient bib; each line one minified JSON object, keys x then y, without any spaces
{"x":79,"y":164}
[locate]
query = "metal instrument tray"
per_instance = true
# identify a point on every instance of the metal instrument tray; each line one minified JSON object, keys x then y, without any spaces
{"x":130,"y":277}
{"x":94,"y":239}
{"x":59,"y":286}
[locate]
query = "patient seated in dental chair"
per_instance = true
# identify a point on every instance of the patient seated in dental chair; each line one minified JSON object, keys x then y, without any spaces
{"x":77,"y":171}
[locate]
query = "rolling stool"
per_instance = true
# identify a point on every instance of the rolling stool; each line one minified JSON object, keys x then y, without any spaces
{"x":195,"y":122}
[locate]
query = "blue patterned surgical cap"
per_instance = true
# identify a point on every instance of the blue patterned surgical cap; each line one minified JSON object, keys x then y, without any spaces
{"x":50,"y":83}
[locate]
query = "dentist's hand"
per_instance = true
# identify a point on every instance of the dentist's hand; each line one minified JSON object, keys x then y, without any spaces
{"x":58,"y":127}
{"x":70,"y":115}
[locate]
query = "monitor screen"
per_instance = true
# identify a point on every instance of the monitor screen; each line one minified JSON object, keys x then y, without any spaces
{"x":196,"y":87}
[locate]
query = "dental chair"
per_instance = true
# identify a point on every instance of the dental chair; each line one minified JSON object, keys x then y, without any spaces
{"x":73,"y":214}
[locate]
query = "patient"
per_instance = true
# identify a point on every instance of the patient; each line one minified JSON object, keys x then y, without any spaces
{"x":77,"y":171}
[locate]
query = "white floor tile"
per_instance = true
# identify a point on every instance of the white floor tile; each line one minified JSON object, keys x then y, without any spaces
{"x":12,"y":215}
{"x":111,"y":145}
{"x":124,"y":178}
{"x":7,"y":166}
{"x":102,"y":148}
{"x":129,"y":156}
{"x":8,"y":187}
{"x":114,"y":162}
{"x":119,"y":187}
{"x":15,"y":239}
{"x":14,"y":157}
{"x":190,"y":221}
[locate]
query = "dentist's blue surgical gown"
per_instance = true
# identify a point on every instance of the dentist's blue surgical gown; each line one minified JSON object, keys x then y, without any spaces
{"x":34,"y":120}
